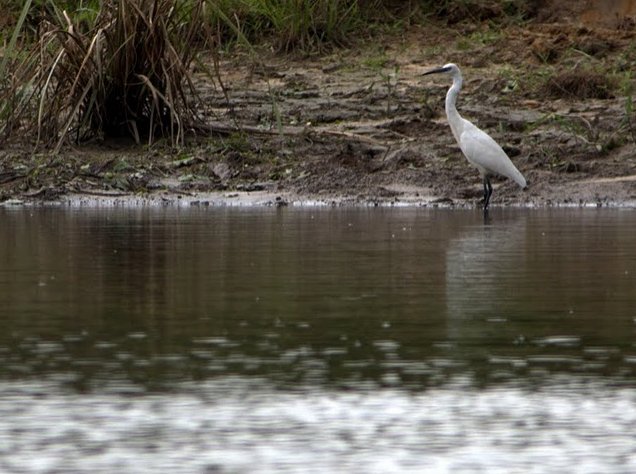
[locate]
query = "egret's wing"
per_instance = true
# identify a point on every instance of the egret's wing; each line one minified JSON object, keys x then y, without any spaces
{"x":486,"y":154}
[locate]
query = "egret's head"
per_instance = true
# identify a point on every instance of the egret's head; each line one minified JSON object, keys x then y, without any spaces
{"x":449,"y":68}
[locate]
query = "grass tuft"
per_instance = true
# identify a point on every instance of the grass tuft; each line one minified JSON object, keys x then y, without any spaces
{"x":580,"y":84}
{"x":291,"y":25}
{"x":126,"y":72}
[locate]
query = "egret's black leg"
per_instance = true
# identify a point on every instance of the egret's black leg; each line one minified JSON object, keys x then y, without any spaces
{"x":487,"y":192}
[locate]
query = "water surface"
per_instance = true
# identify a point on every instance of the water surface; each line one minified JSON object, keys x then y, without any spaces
{"x":317,"y":340}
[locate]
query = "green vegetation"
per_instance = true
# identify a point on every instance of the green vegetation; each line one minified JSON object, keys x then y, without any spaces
{"x":307,"y":25}
{"x":292,"y":24}
{"x":479,"y":39}
{"x":628,"y":123}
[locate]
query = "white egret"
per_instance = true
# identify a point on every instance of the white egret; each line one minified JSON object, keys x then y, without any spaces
{"x":478,"y":147}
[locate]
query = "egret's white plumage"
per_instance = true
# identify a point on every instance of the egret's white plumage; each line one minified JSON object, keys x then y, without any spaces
{"x":480,"y":149}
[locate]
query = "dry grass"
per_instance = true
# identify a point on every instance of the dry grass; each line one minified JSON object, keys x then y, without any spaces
{"x":580,"y":84}
{"x":126,"y":74}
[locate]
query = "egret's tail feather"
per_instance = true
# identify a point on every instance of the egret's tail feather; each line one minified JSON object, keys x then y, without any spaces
{"x":518,"y":178}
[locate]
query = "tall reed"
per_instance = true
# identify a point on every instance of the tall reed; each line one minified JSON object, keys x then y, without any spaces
{"x":127,"y":73}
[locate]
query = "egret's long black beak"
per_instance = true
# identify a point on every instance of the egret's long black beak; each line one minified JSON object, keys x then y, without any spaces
{"x":437,"y":70}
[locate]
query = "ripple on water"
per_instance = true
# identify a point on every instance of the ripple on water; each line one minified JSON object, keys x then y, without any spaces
{"x":237,"y":425}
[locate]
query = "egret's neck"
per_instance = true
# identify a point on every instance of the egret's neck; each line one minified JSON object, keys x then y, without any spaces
{"x":454,"y":119}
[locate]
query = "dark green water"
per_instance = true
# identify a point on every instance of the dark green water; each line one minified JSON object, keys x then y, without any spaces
{"x":207,"y":318}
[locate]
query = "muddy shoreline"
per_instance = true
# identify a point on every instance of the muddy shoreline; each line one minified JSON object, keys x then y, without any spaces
{"x":265,"y":199}
{"x":363,"y":127}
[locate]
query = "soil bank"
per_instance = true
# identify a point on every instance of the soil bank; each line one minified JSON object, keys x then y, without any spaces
{"x":362,"y":126}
